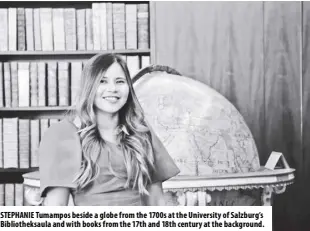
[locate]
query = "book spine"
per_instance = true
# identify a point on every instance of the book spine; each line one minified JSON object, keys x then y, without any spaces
{"x":53,"y":121}
{"x":1,"y":85}
{"x":37,"y":30}
{"x":81,"y":29}
{"x":14,"y":84}
{"x":119,"y":26}
{"x":1,"y":146}
{"x":19,"y":195}
{"x":133,"y":65}
{"x":34,"y":84}
{"x":9,"y":194}
{"x":29,"y":29}
{"x":4,"y":30}
{"x":145,"y":61}
{"x":70,"y":28}
{"x":12,"y":29}
{"x":21,"y":29}
{"x":2,"y":199}
{"x":7,"y":85}
{"x":59,"y":29}
{"x":52,"y":84}
{"x":43,"y":127}
{"x":143,"y":26}
{"x":63,"y":83}
{"x":103,"y":26}
{"x":23,"y":84}
{"x":89,"y":30}
{"x":24,"y":143}
{"x":76,"y":71}
{"x":10,"y":142}
{"x":131,"y":26}
{"x":96,"y":25}
{"x":46,"y":29}
{"x":110,"y":26}
{"x":34,"y":142}
{"x":42,"y":83}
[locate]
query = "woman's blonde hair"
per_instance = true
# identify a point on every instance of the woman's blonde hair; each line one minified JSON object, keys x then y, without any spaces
{"x":136,"y":144}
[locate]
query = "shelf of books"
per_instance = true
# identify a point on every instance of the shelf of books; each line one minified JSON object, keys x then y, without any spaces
{"x":43,"y":48}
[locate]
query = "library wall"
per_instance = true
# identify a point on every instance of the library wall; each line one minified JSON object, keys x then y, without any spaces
{"x":251,"y":53}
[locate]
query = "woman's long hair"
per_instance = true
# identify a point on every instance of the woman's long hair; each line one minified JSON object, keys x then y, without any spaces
{"x":136,"y":144}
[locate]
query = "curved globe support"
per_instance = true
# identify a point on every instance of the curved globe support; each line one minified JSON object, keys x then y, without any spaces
{"x":195,"y":191}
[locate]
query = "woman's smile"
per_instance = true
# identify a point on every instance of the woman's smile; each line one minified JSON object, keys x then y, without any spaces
{"x":111,"y":99}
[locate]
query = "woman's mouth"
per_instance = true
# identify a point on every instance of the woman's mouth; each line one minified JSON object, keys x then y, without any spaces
{"x":111,"y":99}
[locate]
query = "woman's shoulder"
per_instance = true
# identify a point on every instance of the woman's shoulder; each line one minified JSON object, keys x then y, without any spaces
{"x":62,"y":130}
{"x":60,"y":141}
{"x":60,"y":155}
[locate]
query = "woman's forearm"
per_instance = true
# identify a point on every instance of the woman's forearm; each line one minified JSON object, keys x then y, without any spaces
{"x":57,"y":197}
{"x":156,"y":195}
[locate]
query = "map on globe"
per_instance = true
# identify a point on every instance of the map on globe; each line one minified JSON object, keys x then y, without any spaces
{"x":202,"y":131}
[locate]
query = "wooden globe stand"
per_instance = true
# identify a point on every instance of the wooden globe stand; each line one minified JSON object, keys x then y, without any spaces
{"x":192,"y":191}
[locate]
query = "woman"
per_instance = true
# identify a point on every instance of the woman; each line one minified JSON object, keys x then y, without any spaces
{"x":106,"y":154}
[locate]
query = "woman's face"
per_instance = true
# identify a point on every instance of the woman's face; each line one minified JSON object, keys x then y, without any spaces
{"x":113,"y":90}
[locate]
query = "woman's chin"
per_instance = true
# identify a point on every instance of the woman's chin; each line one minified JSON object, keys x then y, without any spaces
{"x":107,"y":110}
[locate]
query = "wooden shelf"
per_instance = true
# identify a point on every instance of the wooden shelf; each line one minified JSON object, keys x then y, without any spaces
{"x":13,"y":175}
{"x":38,"y":53}
{"x":56,"y":108}
{"x":18,"y":170}
{"x":56,"y":4}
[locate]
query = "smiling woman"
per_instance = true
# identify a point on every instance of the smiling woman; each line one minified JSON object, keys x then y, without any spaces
{"x":104,"y":152}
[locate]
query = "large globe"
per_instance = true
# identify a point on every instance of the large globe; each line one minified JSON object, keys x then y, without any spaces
{"x":202,"y":131}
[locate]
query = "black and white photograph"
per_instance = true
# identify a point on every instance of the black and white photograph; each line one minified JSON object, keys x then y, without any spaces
{"x":156,"y":103}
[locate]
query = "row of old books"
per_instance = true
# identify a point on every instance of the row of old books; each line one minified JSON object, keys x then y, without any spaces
{"x":31,"y":84}
{"x":19,"y":141}
{"x":11,"y":195}
{"x":104,"y":26}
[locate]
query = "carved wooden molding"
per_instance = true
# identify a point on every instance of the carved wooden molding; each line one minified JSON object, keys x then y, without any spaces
{"x":269,"y":178}
{"x":193,"y":191}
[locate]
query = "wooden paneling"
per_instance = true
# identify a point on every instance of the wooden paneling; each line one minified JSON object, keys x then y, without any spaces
{"x":251,"y":53}
{"x":282,"y":36}
{"x":244,"y":64}
{"x":219,"y":44}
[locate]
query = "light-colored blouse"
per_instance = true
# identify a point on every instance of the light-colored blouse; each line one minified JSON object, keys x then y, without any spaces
{"x":61,"y":157}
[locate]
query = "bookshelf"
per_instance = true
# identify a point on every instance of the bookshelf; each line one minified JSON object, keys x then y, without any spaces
{"x":43,"y":47}
{"x":16,"y":109}
{"x":39,"y":53}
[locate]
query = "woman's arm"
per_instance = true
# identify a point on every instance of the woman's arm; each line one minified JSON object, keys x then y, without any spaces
{"x":156,"y":195}
{"x":57,"y":197}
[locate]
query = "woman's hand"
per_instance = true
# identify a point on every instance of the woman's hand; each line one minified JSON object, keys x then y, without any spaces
{"x":57,"y":197}
{"x":156,"y":195}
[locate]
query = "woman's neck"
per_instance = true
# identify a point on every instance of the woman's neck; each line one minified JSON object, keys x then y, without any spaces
{"x":107,"y":125}
{"x":107,"y":121}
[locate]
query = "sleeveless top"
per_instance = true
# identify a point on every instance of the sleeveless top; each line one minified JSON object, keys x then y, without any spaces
{"x":60,"y":155}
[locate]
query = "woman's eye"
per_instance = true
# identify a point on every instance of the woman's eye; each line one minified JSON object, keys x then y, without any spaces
{"x":120,"y":81}
{"x":103,"y":81}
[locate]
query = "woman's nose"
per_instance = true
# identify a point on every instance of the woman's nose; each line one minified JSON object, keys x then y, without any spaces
{"x":111,"y":87}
